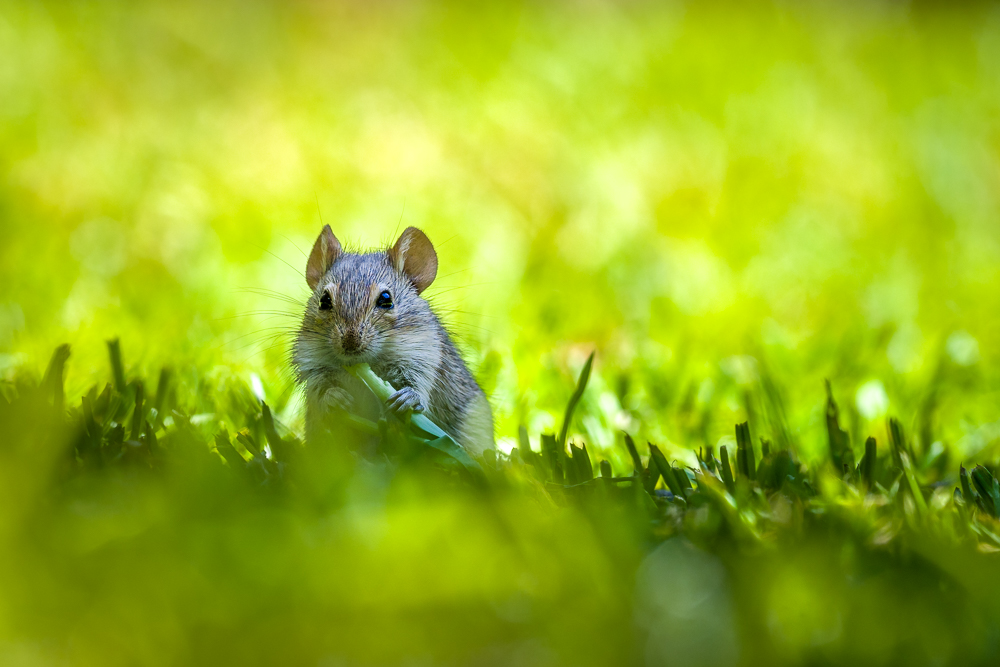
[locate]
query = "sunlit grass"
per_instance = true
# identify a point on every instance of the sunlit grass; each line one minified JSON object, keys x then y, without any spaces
{"x":729,"y":204}
{"x":135,"y":524}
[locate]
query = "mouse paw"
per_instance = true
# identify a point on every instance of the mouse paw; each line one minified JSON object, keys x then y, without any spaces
{"x":405,"y":399}
{"x":337,"y":398}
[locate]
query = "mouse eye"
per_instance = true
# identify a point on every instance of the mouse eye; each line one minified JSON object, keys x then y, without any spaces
{"x":384,"y":301}
{"x":325,"y":302}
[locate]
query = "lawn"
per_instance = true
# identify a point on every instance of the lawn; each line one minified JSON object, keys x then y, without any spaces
{"x":776,"y":227}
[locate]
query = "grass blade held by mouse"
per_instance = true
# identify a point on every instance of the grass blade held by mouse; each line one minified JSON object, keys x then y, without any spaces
{"x":421,"y":427}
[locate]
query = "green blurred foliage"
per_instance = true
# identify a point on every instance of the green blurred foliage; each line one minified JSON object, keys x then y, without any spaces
{"x":808,"y":184}
{"x":138,"y":533}
{"x":730,"y":202}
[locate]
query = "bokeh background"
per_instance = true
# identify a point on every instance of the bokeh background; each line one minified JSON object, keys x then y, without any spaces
{"x":728,"y":202}
{"x":691,"y":190}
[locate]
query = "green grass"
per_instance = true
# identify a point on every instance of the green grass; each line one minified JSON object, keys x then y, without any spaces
{"x":139,"y":532}
{"x":773,"y":223}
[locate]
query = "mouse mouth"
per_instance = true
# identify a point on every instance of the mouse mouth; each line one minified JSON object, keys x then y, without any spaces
{"x":355,"y":354}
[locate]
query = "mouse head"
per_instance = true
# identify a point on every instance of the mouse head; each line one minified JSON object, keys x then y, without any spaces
{"x":359,"y":300}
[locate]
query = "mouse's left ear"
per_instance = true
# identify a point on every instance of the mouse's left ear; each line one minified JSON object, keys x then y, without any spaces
{"x":414,"y":256}
{"x":325,"y":252}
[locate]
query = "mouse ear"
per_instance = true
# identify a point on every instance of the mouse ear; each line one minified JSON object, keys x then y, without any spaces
{"x":325,"y":252}
{"x":414,"y":256}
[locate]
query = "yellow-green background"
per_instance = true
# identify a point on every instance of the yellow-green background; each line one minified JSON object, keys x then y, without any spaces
{"x":728,"y":202}
{"x":695,"y":191}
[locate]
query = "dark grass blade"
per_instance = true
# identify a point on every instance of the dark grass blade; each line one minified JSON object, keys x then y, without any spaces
{"x":680,"y":474}
{"x":967,"y":494}
{"x":245,"y":439}
{"x":581,"y":463}
{"x":914,"y":486}
{"x":225,"y":448}
{"x":279,"y":448}
{"x":572,"y":473}
{"x":707,"y":459}
{"x":581,"y":385}
{"x":55,"y":378}
{"x":650,"y":476}
{"x":837,"y":438}
{"x":162,"y":387}
{"x":866,"y":469}
{"x":111,"y":450}
{"x":528,"y":456}
{"x":634,"y":453}
{"x":117,"y":367}
{"x":554,"y":458}
{"x":669,"y":478}
{"x":745,"y":462}
{"x":727,"y":470}
{"x":988,"y":490}
{"x":897,"y":438}
{"x":150,"y":437}
{"x":137,"y":415}
{"x":102,"y":404}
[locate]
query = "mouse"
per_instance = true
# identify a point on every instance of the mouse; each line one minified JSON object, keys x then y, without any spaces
{"x":367,"y":307}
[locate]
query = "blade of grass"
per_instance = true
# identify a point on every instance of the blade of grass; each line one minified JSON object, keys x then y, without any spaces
{"x":634,"y":453}
{"x":225,"y":448}
{"x":581,"y":462}
{"x":745,"y":462}
{"x":54,"y":378}
{"x":137,"y":415}
{"x":425,"y":428}
{"x":666,"y":471}
{"x":581,"y":385}
{"x":911,"y":480}
{"x":554,"y":458}
{"x":727,"y":470}
{"x":837,"y":438}
{"x":867,"y":466}
{"x":279,"y":448}
{"x":989,"y":495}
{"x":967,"y":495}
{"x":117,"y":368}
{"x":162,"y":386}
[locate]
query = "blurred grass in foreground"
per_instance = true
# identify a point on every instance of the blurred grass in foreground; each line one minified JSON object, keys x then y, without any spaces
{"x":731,"y":203}
{"x":137,"y":533}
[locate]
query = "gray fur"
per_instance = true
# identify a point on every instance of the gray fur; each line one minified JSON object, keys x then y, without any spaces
{"x":405,"y":345}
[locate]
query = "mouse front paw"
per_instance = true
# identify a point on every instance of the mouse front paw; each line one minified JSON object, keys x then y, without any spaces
{"x":405,"y":399}
{"x":338,"y":398}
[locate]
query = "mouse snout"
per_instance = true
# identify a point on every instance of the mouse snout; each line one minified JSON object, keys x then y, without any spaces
{"x":351,"y":341}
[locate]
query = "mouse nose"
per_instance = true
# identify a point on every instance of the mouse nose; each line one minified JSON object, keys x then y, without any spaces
{"x":351,"y":342}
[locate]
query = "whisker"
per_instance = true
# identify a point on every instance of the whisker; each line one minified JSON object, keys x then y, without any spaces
{"x":272,"y":340}
{"x":276,"y":331}
{"x":468,"y":313}
{"x":292,"y":243}
{"x":297,"y":271}
{"x":454,"y":273}
{"x":256,"y":313}
{"x":272,"y":294}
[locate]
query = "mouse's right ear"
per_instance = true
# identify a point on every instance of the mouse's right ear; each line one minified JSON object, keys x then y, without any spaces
{"x":325,"y":252}
{"x":414,"y":257}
